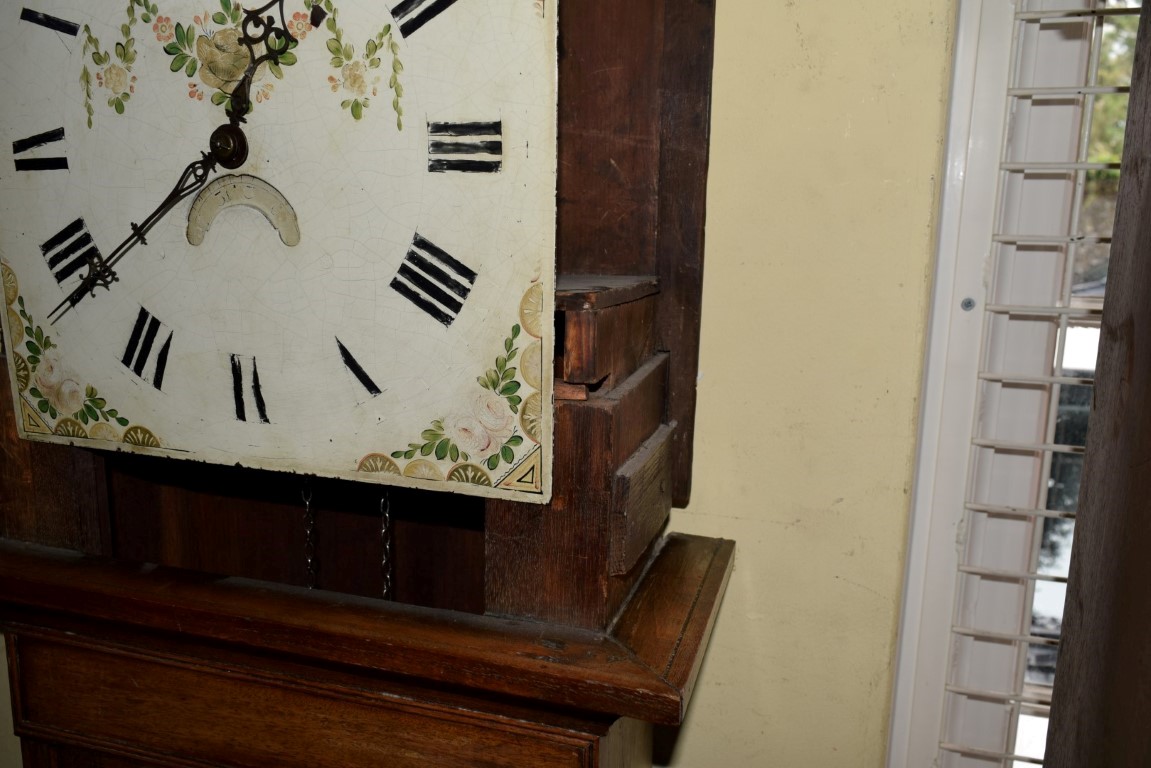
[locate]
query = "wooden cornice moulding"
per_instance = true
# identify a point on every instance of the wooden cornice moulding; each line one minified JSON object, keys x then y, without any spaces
{"x":644,"y":668}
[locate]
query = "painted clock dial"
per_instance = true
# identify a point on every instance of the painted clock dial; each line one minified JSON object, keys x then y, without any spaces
{"x":314,"y":236}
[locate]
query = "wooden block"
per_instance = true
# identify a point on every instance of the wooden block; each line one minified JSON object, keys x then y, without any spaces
{"x":641,"y":501}
{"x":550,"y":563}
{"x":575,"y":293}
{"x":604,"y":346}
{"x":146,"y":705}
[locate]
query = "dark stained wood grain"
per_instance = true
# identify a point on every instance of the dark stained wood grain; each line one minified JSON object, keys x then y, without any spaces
{"x":582,"y":292}
{"x":181,"y":711}
{"x":641,"y":500}
{"x":609,"y":134}
{"x":562,"y":549}
{"x":239,"y":522}
{"x":669,"y":620}
{"x":54,"y":494}
{"x":603,"y":347}
{"x":1102,"y":699}
{"x":282,"y":627}
{"x":685,"y":116}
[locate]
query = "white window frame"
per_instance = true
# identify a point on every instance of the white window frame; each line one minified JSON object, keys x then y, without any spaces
{"x":969,"y":215}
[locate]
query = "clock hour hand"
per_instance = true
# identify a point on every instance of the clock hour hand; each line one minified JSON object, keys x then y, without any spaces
{"x":101,"y":270}
{"x":258,"y":29}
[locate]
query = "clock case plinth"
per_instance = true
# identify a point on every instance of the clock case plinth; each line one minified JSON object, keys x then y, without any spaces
{"x":518,"y":634}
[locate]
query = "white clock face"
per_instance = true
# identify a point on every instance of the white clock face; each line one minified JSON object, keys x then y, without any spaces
{"x":367,"y":295}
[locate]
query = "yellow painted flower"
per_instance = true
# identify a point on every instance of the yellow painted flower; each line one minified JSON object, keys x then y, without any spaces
{"x":224,"y":59}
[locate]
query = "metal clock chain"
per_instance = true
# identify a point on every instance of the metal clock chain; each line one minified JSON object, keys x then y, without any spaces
{"x":386,"y":544}
{"x":309,"y":536}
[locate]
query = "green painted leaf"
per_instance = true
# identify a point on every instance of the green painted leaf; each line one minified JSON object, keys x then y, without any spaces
{"x":122,"y":421}
{"x":118,"y":105}
{"x":510,"y":388}
{"x":191,"y":68}
{"x":91,"y":412}
{"x":219,"y":18}
{"x":442,"y":449}
{"x":98,"y":402}
{"x":508,"y":454}
{"x":515,"y":440}
{"x":493,"y":461}
{"x":125,"y":30}
{"x":178,"y":62}
{"x":83,"y":417}
{"x":431,"y":434}
{"x":427,"y":448}
{"x":274,"y":68}
{"x":42,"y":406}
{"x":370,"y":48}
{"x":219,"y":97}
{"x":288,"y":59}
{"x":397,"y":66}
{"x":121,"y":51}
{"x":397,"y":454}
{"x":514,"y":400}
{"x":33,"y":347}
{"x":172,"y":48}
{"x":454,"y":453}
{"x":509,"y":374}
{"x":357,"y":109}
{"x":348,"y":52}
{"x":374,"y":63}
{"x":35,"y":392}
{"x":409,"y":454}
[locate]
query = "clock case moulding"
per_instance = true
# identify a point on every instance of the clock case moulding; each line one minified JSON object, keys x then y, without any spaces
{"x":512,"y":629}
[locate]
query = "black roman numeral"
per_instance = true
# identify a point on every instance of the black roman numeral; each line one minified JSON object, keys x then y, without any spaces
{"x":434,"y":281}
{"x":39,"y":163}
{"x":70,"y":250}
{"x":243,"y":389}
{"x":142,"y":355}
{"x":357,"y":370}
{"x":454,"y":147}
{"x":51,"y":22}
{"x":413,"y":14}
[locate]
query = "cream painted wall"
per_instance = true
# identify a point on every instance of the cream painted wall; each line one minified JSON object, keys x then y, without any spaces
{"x":828,"y":121}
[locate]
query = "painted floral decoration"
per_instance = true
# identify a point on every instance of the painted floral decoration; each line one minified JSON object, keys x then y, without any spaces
{"x":68,"y":406}
{"x":112,"y":70}
{"x":212,"y":48}
{"x":358,"y":79}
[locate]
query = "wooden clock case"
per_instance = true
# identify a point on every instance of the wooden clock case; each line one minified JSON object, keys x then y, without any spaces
{"x":157,"y":612}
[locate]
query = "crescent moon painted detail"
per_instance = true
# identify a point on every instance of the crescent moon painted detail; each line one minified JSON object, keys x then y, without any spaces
{"x":247,"y":190}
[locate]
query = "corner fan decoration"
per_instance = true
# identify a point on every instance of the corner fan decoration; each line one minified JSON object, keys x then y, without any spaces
{"x":314,"y":236}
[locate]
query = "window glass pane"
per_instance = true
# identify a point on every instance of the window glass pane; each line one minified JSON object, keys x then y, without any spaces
{"x":1030,"y":738}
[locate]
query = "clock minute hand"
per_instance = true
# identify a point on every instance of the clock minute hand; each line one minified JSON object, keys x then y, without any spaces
{"x":101,"y":270}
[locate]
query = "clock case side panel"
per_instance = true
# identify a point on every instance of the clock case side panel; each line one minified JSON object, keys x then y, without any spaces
{"x":635,"y":111}
{"x":635,"y":82}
